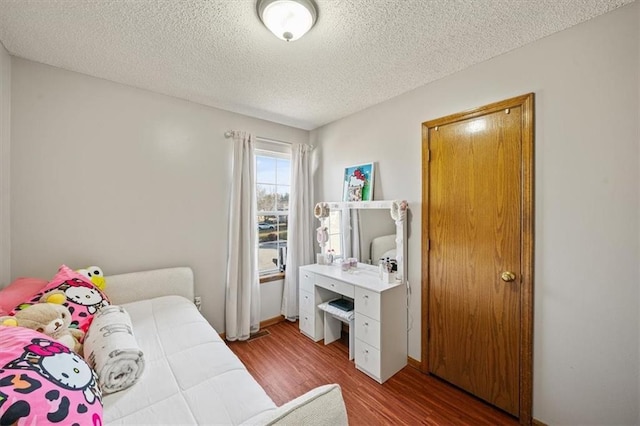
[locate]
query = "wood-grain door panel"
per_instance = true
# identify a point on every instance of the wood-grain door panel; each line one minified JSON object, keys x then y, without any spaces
{"x":474,"y":219}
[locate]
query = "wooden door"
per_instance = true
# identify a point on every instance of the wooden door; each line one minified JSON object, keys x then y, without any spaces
{"x":478,"y":251}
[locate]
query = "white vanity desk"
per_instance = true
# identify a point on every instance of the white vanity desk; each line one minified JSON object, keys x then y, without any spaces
{"x":380,"y":327}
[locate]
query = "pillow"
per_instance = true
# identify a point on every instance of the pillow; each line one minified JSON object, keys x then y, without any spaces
{"x":42,"y":382}
{"x":19,"y":291}
{"x":83,"y":298}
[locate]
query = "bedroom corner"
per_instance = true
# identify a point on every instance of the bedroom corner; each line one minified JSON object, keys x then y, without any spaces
{"x":5,"y":159}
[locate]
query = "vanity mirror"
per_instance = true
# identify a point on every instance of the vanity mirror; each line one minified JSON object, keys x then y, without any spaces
{"x":366,"y":230}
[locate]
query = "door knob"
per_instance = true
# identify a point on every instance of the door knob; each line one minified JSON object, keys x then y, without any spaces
{"x":508,"y":276}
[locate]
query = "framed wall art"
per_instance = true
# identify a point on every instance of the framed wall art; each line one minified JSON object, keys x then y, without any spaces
{"x":358,"y":183}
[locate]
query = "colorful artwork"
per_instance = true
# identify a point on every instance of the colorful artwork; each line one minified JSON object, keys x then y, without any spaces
{"x":358,"y":183}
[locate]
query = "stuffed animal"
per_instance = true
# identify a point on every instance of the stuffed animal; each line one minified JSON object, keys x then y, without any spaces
{"x":51,"y":318}
{"x":94,"y":273}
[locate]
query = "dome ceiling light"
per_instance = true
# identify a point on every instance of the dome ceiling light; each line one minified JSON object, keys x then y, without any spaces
{"x":287,"y":19}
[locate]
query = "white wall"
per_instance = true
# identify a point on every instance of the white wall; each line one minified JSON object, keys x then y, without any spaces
{"x":585,"y":79}
{"x":270,"y":299}
{"x":5,"y":150}
{"x":106,"y":174}
{"x":638,"y":121}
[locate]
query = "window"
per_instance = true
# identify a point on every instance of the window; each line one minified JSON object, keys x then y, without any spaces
{"x":273,"y":174}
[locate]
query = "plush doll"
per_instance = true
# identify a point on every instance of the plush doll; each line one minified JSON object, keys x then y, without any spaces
{"x":51,"y":318}
{"x":95,"y":275}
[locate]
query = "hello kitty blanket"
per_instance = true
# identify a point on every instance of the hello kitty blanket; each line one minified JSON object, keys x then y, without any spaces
{"x":43,"y":382}
{"x":111,"y":350}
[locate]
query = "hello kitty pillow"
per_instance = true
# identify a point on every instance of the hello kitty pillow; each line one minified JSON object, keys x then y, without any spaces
{"x":43,"y":382}
{"x":83,"y":298}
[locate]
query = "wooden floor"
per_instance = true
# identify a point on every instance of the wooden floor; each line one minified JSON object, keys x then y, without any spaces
{"x":287,"y":364}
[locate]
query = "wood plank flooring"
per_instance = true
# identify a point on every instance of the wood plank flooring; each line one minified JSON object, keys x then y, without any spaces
{"x":287,"y":364}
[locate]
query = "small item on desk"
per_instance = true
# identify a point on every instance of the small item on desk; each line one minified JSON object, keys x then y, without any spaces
{"x":353,"y":262}
{"x":387,"y":270}
{"x":330,"y":255}
{"x":321,"y":259}
{"x":345,"y":265}
{"x":388,"y":277}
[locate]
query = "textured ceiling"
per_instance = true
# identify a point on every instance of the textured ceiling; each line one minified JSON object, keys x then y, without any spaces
{"x":218,"y":53}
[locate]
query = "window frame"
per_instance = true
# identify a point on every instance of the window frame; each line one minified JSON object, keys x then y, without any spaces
{"x":266,"y":149}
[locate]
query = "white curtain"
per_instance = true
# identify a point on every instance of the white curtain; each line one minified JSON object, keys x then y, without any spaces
{"x":242,"y":303}
{"x":300,"y":231}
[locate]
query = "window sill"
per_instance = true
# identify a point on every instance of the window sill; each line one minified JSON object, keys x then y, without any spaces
{"x":272,"y":277}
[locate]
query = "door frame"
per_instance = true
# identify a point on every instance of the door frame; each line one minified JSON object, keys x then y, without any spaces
{"x":526,"y":102}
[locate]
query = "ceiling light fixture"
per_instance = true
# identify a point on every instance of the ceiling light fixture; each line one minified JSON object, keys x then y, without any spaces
{"x":287,"y":19}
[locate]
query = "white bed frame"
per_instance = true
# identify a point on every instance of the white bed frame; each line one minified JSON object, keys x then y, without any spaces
{"x":135,"y":286}
{"x":321,"y":406}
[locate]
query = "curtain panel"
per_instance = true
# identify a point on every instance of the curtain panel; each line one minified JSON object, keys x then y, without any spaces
{"x":300,"y":231}
{"x":242,"y":301}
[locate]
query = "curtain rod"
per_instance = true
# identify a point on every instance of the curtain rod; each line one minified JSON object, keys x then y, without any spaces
{"x":229,"y":133}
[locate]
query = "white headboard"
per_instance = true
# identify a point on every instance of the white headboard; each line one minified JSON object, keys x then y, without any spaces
{"x":381,"y":246}
{"x":134,"y":286}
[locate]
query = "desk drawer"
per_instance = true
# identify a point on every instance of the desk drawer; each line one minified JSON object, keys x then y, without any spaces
{"x":306,"y":280}
{"x":367,"y":302}
{"x":335,"y":285}
{"x":306,"y":302}
{"x":368,"y":359}
{"x":368,"y":330}
{"x":307,"y":324}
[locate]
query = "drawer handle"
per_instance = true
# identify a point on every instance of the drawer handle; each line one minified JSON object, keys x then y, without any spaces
{"x":366,"y":297}
{"x":333,"y":285}
{"x":366,"y":324}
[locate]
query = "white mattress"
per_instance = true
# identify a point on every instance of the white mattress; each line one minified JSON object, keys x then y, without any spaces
{"x":190,"y":377}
